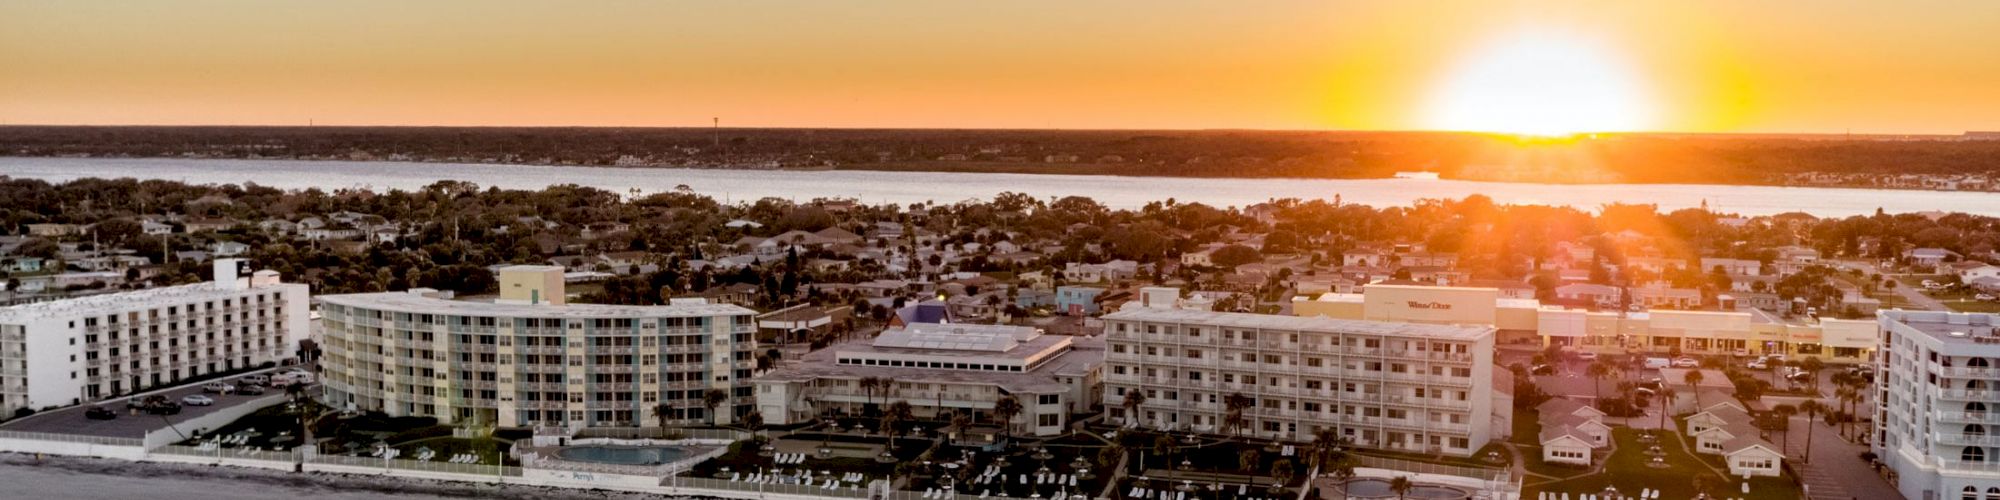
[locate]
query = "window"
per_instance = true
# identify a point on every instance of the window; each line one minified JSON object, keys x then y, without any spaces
{"x":1047,"y":399}
{"x":1046,"y":420}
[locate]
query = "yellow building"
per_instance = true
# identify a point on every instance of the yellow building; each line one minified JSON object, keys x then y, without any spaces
{"x":1752,"y":332}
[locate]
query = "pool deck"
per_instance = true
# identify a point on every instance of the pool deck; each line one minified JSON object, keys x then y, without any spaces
{"x":548,"y":457}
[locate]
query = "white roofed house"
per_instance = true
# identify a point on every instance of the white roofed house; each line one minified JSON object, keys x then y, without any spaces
{"x":1566,"y":445}
{"x":228,"y":249}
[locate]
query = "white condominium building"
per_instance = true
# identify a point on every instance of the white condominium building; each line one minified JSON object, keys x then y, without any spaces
{"x":85,"y":349}
{"x":531,"y":359}
{"x":942,"y":368}
{"x":1397,"y":386}
{"x":1938,"y":420}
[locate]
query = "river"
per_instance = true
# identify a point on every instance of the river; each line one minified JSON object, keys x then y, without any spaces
{"x":943,"y":187}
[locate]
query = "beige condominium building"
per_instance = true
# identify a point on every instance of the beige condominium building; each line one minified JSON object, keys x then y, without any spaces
{"x":532,"y":359}
{"x":1751,"y":332}
{"x":942,"y":368}
{"x":85,"y":349}
{"x":1397,"y":386}
{"x":1937,"y":421}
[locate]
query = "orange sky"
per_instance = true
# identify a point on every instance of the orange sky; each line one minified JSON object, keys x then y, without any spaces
{"x":1909,"y":66}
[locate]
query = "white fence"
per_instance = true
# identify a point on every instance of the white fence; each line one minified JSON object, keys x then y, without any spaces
{"x":73,"y":445}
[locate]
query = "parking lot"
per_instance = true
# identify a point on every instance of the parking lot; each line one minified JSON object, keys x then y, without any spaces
{"x":133,"y":423}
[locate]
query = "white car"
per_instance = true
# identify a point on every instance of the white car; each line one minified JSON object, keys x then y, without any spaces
{"x":197,"y":400}
{"x":1586,"y":356}
{"x":1982,"y":297}
{"x":1686,"y":362}
{"x":218,"y":387}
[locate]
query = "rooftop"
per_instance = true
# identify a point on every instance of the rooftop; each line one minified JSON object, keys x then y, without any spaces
{"x":1950,"y":327}
{"x":411,"y":302}
{"x":1315,"y":323}
{"x":1085,"y":354}
{"x":115,"y":302}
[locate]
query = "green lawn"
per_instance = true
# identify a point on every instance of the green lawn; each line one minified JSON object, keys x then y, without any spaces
{"x":1527,"y":427}
{"x":1626,"y":469}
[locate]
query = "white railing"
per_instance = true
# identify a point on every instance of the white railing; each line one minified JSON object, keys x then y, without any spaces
{"x":71,"y":438}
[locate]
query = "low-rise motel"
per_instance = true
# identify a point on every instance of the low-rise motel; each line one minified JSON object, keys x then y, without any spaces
{"x":1746,"y":332}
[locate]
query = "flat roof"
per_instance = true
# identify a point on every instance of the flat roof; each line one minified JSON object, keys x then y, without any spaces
{"x":1950,"y":327}
{"x":415,"y":303}
{"x":1315,"y":323}
{"x":1085,"y":354}
{"x":98,"y":305}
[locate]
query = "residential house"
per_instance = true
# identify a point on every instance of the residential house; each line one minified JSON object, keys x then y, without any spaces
{"x":1078,"y":300}
{"x":1589,"y":293}
{"x":208,"y":225}
{"x":54,"y":230}
{"x":1927,"y":257}
{"x":1565,"y":445}
{"x":1666,"y":297}
{"x":1752,"y":456}
{"x":228,"y":249}
{"x":150,"y":228}
{"x":1733,"y":267}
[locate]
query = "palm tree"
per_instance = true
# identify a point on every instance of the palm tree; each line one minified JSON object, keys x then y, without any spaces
{"x":1784,"y":413}
{"x":1109,"y":456}
{"x":1666,"y":401}
{"x":660,"y":412}
{"x":1693,"y":381}
{"x":753,"y":420}
{"x":1007,"y":408}
{"x":1236,"y":403}
{"x":1810,"y":407}
{"x":1133,"y":398}
{"x":1327,"y":447}
{"x":1282,"y":471}
{"x":1249,"y":460}
{"x":1343,"y":469}
{"x":1597,"y":371}
{"x":960,"y":422}
{"x":1849,"y":396}
{"x":1163,"y":445}
{"x":1774,"y":366}
{"x":1812,"y":366}
{"x":868,"y":386}
{"x":712,"y":399}
{"x":1401,"y":485}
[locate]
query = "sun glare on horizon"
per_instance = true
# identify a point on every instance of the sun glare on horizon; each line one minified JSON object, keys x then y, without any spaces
{"x":1539,"y":84}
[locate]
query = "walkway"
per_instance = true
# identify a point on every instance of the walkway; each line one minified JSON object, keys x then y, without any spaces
{"x":1836,"y":471}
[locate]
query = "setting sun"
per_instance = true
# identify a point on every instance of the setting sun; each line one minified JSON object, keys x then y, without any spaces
{"x":1539,"y":84}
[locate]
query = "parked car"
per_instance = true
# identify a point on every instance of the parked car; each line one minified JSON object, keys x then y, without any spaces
{"x":1586,"y":356}
{"x":258,"y":379}
{"x":1764,"y":362}
{"x":1655,"y":363}
{"x":1542,"y":370}
{"x":1652,"y":384}
{"x":100,"y":413}
{"x":1686,"y":362}
{"x":1983,"y":296}
{"x":197,"y":400}
{"x":218,"y":387}
{"x":250,"y":390}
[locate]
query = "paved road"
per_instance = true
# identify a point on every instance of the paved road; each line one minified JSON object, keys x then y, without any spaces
{"x":1911,"y":294}
{"x":128,"y":425}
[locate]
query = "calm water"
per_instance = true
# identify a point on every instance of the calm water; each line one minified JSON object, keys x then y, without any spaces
{"x":907,"y":187}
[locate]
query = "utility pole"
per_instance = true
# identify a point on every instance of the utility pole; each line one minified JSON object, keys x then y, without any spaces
{"x":715,"y":130}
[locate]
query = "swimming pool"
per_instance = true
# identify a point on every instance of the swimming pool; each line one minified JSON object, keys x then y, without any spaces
{"x":1376,"y":488}
{"x":622,"y":455}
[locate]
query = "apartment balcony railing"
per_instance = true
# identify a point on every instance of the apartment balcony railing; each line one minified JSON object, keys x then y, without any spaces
{"x":1974,"y":417}
{"x":1968,"y":439}
{"x":1963,"y":372}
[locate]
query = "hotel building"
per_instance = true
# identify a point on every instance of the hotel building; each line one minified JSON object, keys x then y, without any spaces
{"x":1937,"y":424}
{"x":530,"y":358}
{"x":943,"y":368}
{"x":1748,"y":333}
{"x":1397,"y":386}
{"x":86,"y":349}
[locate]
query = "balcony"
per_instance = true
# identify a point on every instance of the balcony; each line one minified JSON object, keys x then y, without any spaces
{"x":1971,"y":417}
{"x":1962,"y":372}
{"x":1455,"y":357}
{"x":1969,"y":394}
{"x":1968,"y":439}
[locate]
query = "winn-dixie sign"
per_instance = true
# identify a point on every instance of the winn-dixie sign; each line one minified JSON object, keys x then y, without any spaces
{"x":1428,"y":305}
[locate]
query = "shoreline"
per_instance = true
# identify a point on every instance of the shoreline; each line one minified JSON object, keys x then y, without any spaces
{"x":1003,"y":171}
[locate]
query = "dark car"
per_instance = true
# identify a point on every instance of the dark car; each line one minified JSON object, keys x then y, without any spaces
{"x":100,"y":413}
{"x":1543,"y":370}
{"x":250,"y":390}
{"x":168,"y":408}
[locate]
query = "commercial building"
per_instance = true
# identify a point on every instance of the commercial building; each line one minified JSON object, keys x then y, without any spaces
{"x":85,"y":349}
{"x":942,"y":368}
{"x":1748,"y":333}
{"x":531,"y":359}
{"x":1937,"y":424}
{"x":1397,"y":386}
